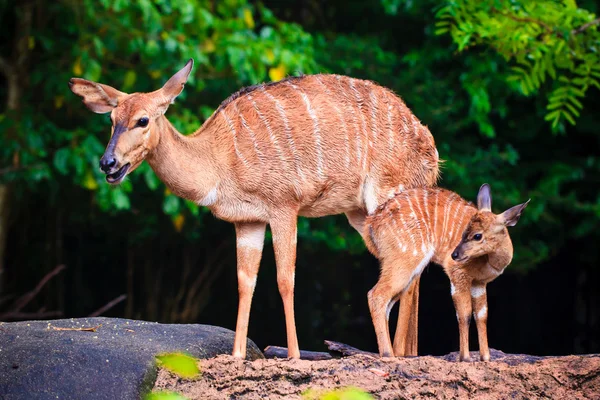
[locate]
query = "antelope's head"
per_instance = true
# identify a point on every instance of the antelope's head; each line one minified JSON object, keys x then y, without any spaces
{"x":486,"y":231}
{"x":134,"y":116}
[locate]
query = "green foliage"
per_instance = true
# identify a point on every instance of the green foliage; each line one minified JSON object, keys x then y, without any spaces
{"x":180,"y":364}
{"x":548,"y":40}
{"x":349,"y":393}
{"x":164,"y":395}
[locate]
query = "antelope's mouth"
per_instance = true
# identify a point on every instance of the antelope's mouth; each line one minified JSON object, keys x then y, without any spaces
{"x":117,"y":177}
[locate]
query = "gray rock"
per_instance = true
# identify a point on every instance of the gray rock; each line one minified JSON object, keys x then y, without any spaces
{"x":114,"y":362}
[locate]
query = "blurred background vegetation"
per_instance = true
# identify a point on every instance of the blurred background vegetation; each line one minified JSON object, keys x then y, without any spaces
{"x":509,"y":89}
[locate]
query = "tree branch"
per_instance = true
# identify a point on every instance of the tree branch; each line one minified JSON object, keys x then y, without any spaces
{"x":27,"y":297}
{"x":107,"y":306}
{"x":5,"y":67}
{"x":585,"y":26}
{"x":547,"y":27}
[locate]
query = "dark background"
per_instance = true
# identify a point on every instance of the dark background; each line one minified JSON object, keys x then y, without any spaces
{"x":176,"y":263}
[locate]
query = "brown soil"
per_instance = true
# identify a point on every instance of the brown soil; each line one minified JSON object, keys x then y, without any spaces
{"x":506,"y":376}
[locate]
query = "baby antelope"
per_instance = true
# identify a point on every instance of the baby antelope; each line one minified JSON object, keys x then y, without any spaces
{"x":432,"y":224}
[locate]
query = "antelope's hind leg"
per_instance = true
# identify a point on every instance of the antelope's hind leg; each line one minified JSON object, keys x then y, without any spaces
{"x":392,"y":282}
{"x":406,"y":336}
{"x":284,"y":244}
{"x":250,"y":239}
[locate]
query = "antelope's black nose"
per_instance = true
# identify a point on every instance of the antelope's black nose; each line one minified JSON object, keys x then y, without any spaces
{"x":455,"y":255}
{"x":106,"y":163}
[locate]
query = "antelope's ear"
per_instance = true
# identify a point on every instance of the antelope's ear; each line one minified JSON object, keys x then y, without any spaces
{"x":484,"y":198}
{"x":174,"y":86}
{"x":97,"y":97}
{"x":511,"y":216}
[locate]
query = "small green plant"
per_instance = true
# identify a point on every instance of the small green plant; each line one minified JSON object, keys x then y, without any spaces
{"x":348,"y":393}
{"x":180,"y":364}
{"x":164,"y":395}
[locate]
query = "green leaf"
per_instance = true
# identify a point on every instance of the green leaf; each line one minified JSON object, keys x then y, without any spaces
{"x":164,"y":395}
{"x":180,"y":364}
{"x":120,"y":199}
{"x":151,"y":179}
{"x":61,"y":160}
{"x":171,"y":204}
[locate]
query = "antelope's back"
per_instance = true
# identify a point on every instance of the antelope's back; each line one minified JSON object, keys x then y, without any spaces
{"x":329,"y":142}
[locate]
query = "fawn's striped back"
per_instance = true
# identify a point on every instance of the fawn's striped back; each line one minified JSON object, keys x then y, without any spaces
{"x":419,"y":221}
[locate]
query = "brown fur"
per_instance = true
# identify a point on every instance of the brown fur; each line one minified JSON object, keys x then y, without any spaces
{"x":313,"y":146}
{"x":432,"y":224}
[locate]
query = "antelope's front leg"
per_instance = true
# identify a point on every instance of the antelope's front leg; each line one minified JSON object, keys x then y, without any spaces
{"x":250,"y":238}
{"x":462,"y":303}
{"x":480,"y":312}
{"x":284,"y":244}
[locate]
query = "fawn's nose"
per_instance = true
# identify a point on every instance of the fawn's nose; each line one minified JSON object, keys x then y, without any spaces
{"x":455,"y":255}
{"x":106,"y":163}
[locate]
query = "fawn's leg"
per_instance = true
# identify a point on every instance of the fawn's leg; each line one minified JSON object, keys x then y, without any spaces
{"x":462,"y":303}
{"x":480,"y":312}
{"x":250,"y":238}
{"x":284,"y":244}
{"x":406,"y":336}
{"x":393,"y":280}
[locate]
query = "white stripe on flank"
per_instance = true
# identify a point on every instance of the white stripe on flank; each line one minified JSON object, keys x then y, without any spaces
{"x":404,"y":122}
{"x":405,"y":231}
{"x":417,"y":219}
{"x":482,"y":313}
{"x":462,"y":224}
{"x":447,"y":207}
{"x":423,"y":218}
{"x":353,"y":118}
{"x":374,"y":109}
{"x":316,"y":129}
{"x":390,"y":127}
{"x":235,"y":146}
{"x":288,"y":133}
{"x":477,"y":291}
{"x":265,"y":121}
{"x":363,"y":124}
{"x":456,"y":221}
{"x":259,"y":153}
{"x":396,"y":231}
{"x":342,"y":120}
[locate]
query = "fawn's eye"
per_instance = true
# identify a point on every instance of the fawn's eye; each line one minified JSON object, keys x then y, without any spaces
{"x":477,"y":236}
{"x":142,"y":122}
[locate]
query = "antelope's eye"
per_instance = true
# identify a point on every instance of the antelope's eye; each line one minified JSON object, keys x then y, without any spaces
{"x":477,"y":236}
{"x":142,"y":122}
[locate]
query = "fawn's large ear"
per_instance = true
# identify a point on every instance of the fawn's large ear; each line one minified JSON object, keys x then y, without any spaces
{"x":484,"y":198}
{"x":511,"y":216}
{"x":174,"y":85}
{"x":97,"y":97}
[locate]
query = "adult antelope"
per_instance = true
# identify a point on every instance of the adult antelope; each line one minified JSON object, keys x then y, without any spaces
{"x":312,"y":146}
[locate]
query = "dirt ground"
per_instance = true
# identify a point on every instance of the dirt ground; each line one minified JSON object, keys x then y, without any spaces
{"x":506,"y":376}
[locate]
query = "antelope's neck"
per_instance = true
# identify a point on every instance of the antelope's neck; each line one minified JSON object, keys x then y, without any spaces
{"x":502,"y":256}
{"x":185,"y":164}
